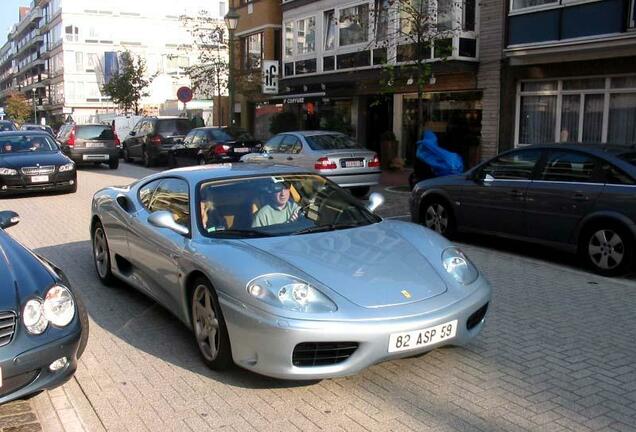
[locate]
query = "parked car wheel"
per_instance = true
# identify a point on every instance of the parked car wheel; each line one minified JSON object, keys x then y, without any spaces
{"x":148,"y":162}
{"x":607,"y":249}
{"x":127,"y":157}
{"x":101,"y":255}
{"x":209,"y":327}
{"x":438,"y":216}
{"x":113,"y":164}
{"x":201,"y":160}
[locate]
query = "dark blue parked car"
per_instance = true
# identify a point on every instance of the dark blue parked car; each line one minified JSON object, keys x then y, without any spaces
{"x":580,"y":198}
{"x":43,"y":323}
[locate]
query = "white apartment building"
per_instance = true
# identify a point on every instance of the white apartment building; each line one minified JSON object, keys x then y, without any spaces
{"x":63,"y":49}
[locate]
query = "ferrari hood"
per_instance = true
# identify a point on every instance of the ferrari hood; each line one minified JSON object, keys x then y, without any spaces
{"x":372,"y":266}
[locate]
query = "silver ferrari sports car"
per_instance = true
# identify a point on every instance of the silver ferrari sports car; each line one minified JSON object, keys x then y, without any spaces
{"x":284,"y":273}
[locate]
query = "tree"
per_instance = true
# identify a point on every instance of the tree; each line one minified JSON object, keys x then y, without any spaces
{"x":128,"y":86}
{"x":413,"y":32}
{"x":18,"y":108}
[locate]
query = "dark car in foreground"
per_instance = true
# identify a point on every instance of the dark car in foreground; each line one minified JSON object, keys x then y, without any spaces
{"x":579,"y":198}
{"x":43,"y":324}
{"x":152,"y":138}
{"x":90,"y":143}
{"x":213,"y":145}
{"x":6,"y":125}
{"x":31,"y":162}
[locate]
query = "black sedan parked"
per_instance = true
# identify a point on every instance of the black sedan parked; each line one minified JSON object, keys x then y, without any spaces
{"x":43,"y":324}
{"x":213,"y":145}
{"x":32,"y":161}
{"x":7,"y":125}
{"x":580,"y":198}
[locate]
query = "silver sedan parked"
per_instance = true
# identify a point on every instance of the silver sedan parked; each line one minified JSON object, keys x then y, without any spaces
{"x":332,"y":154}
{"x":284,"y":273}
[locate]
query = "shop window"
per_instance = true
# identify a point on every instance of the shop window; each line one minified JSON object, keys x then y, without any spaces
{"x":328,"y":63}
{"x":584,"y":84}
{"x":467,"y":47}
{"x":408,"y":53}
{"x":354,"y":60}
{"x":305,"y":66}
{"x":354,"y":24}
{"x":379,"y":56}
{"x":535,"y":86}
{"x":443,"y":48}
{"x":622,"y":119}
{"x":306,"y":36}
{"x":624,"y":82}
{"x":522,"y":4}
{"x":538,"y":119}
{"x":593,"y":118}
{"x":289,"y":69}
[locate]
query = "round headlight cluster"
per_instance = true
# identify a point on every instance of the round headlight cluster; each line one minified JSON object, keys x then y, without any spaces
{"x":291,"y":293}
{"x":457,"y":264}
{"x":58,"y":308}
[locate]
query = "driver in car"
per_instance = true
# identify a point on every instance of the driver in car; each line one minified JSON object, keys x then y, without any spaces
{"x":281,"y":211}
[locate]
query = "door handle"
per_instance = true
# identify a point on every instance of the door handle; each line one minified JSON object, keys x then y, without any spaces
{"x":270,"y":157}
{"x":516,"y":194}
{"x":290,"y":158}
{"x":578,"y":196}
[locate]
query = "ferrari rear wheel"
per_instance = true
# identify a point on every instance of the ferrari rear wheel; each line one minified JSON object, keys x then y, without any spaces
{"x":209,"y":327}
{"x":101,"y":255}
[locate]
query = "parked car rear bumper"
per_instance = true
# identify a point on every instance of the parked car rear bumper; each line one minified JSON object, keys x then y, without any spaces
{"x":91,"y":155}
{"x":370,"y":178}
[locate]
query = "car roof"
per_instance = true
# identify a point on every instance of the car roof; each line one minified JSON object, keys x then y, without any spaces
{"x":596,"y":148}
{"x":199,"y":173}
{"x":23,"y":132}
{"x":313,"y":133}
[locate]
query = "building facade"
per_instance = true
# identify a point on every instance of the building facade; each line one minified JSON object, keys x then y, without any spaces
{"x":570,"y":72}
{"x":67,"y":49}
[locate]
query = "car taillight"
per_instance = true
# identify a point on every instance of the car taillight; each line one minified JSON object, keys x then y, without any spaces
{"x":325,"y":164}
{"x":375,"y":162}
{"x":221,"y":149}
{"x":117,"y":141}
{"x":71,"y":138}
{"x":155,"y":140}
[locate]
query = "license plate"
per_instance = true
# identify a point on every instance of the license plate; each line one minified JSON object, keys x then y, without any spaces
{"x":354,"y":164}
{"x":94,"y":145}
{"x":420,"y":338}
{"x":241,"y":150}
{"x":39,"y":179}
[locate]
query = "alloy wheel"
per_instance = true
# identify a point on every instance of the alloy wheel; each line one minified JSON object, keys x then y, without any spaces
{"x":201,"y":161}
{"x":436,"y":218}
{"x":206,"y":323}
{"x":100,"y":252}
{"x":606,"y":249}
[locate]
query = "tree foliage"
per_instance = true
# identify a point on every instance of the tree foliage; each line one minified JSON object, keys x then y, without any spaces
{"x":414,"y":32}
{"x":129,"y":85}
{"x":18,"y":108}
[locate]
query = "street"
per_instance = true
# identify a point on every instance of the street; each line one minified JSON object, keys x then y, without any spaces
{"x":557,"y":352}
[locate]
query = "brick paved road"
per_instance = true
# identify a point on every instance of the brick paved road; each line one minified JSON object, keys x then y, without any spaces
{"x":557,"y":354}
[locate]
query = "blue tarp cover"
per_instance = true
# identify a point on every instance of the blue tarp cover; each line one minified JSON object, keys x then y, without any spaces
{"x":442,"y":162}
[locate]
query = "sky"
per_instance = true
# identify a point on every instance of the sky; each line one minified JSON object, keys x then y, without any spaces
{"x":9,"y":16}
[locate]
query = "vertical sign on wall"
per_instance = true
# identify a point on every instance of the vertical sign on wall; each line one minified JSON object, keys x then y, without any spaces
{"x":270,"y":76}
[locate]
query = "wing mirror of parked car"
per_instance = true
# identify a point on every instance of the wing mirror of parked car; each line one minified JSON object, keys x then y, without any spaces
{"x":8,"y":219}
{"x":375,"y":201}
{"x":488,"y":180}
{"x":132,"y":133}
{"x":164,"y":219}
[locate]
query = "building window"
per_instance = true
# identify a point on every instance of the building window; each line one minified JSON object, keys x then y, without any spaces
{"x":329,"y":30}
{"x":354,"y":25}
{"x":79,"y":61}
{"x":253,"y":51}
{"x":222,"y":10}
{"x":71,"y":33}
{"x":306,"y":35}
{"x":289,"y":39}
{"x":523,"y":4}
{"x":594,"y":110}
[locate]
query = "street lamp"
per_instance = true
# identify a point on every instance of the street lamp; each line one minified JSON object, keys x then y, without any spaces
{"x":35,"y":112}
{"x":231,"y":21}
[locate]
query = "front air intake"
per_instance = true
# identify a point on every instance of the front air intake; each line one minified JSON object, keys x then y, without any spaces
{"x":309,"y":354}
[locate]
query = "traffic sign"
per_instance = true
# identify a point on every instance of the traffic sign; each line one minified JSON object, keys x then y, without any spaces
{"x":184,"y":94}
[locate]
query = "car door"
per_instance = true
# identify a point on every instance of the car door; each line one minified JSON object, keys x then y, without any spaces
{"x":565,"y":189}
{"x":155,"y":252}
{"x":270,"y":149}
{"x":134,"y":147}
{"x":189,"y":153}
{"x":494,"y":198}
{"x":287,"y":150}
{"x":179,"y":151}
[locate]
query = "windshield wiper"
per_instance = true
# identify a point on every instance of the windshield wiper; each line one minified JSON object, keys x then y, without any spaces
{"x":328,"y":227}
{"x":240,"y":233}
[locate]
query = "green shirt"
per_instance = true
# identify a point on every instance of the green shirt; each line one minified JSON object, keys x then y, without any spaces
{"x":269,"y":215}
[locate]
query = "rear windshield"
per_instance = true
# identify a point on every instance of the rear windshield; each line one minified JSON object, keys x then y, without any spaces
{"x":331,"y":142}
{"x":6,"y":126}
{"x":94,"y":132}
{"x":26,"y":143}
{"x":174,"y":126}
{"x":628,"y":157}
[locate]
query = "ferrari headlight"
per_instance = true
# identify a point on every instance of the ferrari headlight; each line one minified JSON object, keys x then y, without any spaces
{"x":459,"y":266}
{"x":33,"y":317}
{"x":290,"y":293}
{"x":59,"y":306}
{"x":68,"y":167}
{"x":8,"y":172}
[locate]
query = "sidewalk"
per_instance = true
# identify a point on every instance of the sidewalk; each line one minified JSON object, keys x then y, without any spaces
{"x":395,"y":178}
{"x":18,"y":416}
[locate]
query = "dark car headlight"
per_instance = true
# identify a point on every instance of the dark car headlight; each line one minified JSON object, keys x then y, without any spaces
{"x":288,"y":292}
{"x":8,"y":172}
{"x":457,"y":264}
{"x":68,"y":167}
{"x":58,"y":308}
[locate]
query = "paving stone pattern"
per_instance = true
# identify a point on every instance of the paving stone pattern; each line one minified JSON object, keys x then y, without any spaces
{"x":558,"y":353}
{"x":18,"y":416}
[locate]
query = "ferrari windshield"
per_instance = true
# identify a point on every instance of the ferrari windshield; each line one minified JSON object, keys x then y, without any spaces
{"x":277,"y":206}
{"x":26,"y":143}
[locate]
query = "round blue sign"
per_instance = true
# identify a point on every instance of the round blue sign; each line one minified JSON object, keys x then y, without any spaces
{"x":184,"y":94}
